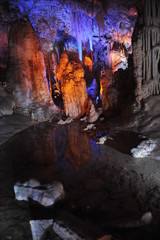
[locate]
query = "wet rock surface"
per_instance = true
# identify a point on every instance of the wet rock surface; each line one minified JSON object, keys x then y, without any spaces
{"x":114,"y":194}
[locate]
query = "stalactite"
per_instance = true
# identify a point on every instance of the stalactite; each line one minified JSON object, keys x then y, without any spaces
{"x":82,"y":25}
{"x":100,"y":21}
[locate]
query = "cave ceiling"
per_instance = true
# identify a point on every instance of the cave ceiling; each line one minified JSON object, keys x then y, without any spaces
{"x":53,"y":20}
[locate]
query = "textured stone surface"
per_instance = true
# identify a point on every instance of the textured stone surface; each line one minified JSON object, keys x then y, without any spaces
{"x":146,"y":51}
{"x":26,"y":76}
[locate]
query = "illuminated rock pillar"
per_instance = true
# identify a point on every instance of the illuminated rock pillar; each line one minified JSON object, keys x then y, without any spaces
{"x":26,"y":75}
{"x":73,"y":85}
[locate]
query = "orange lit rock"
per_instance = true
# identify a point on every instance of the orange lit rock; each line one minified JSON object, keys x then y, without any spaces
{"x":26,"y":75}
{"x":73,"y":85}
{"x":88,"y":63}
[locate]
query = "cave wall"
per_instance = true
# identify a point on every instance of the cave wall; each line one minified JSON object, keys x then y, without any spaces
{"x":146,"y":50}
{"x":26,"y":73}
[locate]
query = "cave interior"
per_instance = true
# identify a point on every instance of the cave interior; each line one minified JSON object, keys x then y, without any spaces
{"x":79,"y":119}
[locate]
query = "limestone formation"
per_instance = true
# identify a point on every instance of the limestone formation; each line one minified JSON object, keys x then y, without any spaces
{"x":146,"y":51}
{"x":73,"y":85}
{"x":26,"y":75}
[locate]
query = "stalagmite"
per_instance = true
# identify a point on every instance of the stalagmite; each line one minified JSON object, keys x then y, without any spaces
{"x":73,"y":85}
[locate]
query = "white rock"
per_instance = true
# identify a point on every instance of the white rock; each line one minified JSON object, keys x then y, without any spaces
{"x":143,"y":149}
{"x":102,"y":140}
{"x":32,"y":183}
{"x":39,"y":226}
{"x":89,"y":126}
{"x":65,"y":233}
{"x":46,"y":196}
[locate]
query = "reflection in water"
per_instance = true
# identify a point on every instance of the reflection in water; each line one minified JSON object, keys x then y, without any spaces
{"x":78,"y":146}
{"x":60,"y":147}
{"x":42,"y":151}
{"x":72,"y":147}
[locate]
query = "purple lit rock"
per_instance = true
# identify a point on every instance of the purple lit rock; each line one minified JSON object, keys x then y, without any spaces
{"x":102,"y":25}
